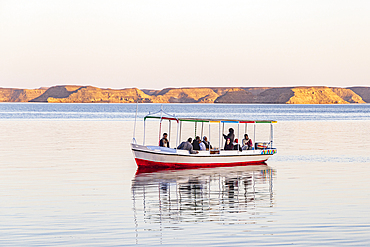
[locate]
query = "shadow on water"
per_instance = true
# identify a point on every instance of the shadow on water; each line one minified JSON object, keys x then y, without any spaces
{"x":171,"y":198}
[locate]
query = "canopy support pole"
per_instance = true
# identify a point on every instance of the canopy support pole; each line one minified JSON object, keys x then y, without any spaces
{"x":237,"y":144}
{"x":144,"y":134}
{"x":195,"y":124}
{"x":209,"y":136}
{"x":180,"y":132}
{"x":160,"y":126}
{"x":169,"y":130}
{"x":177,"y":135}
{"x":272,"y":134}
{"x":160,"y":130}
{"x":201,"y":132}
{"x":254,"y":134}
{"x":219,"y":135}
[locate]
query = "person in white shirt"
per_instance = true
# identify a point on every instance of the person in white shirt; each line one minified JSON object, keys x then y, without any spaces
{"x":202,"y":146}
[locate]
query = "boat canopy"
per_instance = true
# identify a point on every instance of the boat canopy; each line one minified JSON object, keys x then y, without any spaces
{"x":162,"y":115}
{"x":209,"y":120}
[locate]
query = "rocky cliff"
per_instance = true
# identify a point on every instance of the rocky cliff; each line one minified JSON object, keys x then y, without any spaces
{"x":315,"y":95}
{"x":19,"y":95}
{"x":363,"y":92}
{"x":246,"y":95}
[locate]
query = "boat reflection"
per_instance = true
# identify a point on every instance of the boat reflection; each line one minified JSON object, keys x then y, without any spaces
{"x":198,"y":195}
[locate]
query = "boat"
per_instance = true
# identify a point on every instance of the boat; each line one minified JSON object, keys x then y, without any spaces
{"x":155,"y":156}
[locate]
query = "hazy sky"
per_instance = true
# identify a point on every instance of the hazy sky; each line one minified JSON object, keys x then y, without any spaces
{"x":156,"y":44}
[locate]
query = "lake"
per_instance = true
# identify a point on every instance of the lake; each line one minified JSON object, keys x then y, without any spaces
{"x":68,"y":177}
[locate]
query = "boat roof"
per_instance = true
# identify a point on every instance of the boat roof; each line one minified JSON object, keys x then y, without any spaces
{"x":161,"y":114}
{"x":205,"y":120}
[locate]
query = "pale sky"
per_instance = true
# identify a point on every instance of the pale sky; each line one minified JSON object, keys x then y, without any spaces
{"x":167,"y":43}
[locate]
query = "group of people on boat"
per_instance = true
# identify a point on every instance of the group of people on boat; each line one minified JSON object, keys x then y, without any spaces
{"x":198,"y":144}
{"x":192,"y":146}
{"x":203,"y":145}
{"x":231,"y":144}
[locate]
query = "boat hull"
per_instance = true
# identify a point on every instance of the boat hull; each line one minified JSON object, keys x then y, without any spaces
{"x":158,"y":157}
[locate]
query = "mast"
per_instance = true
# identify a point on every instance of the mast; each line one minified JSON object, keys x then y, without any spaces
{"x":133,"y":137}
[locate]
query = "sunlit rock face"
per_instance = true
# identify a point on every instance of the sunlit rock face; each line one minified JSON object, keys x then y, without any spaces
{"x":98,"y":95}
{"x":315,"y":95}
{"x":232,"y":95}
{"x":348,"y":95}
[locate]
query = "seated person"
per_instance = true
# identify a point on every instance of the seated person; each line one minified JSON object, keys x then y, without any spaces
{"x":237,"y":145}
{"x":196,"y":143}
{"x":247,"y":143}
{"x":228,"y":145}
{"x":164,"y":142}
{"x":207,"y":143}
{"x":202,"y":146}
{"x":187,"y":146}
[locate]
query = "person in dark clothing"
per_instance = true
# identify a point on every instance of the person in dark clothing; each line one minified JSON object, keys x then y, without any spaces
{"x":228,"y":145}
{"x":187,"y":146}
{"x":164,"y":142}
{"x":207,"y":143}
{"x":196,"y":143}
{"x":230,"y":136}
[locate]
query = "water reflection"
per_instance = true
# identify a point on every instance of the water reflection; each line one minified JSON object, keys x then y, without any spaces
{"x":174,"y":197}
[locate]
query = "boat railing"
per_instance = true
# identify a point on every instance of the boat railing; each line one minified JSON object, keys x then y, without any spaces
{"x":162,"y":149}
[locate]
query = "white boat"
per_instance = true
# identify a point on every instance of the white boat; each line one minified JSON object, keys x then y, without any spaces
{"x":157,"y":157}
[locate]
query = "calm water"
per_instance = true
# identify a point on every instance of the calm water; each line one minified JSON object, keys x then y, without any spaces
{"x":67,"y":177}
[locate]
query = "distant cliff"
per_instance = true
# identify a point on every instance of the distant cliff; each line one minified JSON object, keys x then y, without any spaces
{"x":19,"y":95}
{"x":241,"y":95}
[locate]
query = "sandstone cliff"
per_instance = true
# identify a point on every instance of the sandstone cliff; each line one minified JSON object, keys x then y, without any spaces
{"x":185,"y":95}
{"x":348,"y":95}
{"x":275,"y":95}
{"x":97,"y":95}
{"x":236,"y":95}
{"x":248,"y":95}
{"x":19,"y":95}
{"x":315,"y":95}
{"x":363,"y":92}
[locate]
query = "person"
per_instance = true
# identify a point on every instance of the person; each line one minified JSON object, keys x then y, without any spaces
{"x":202,"y":146}
{"x":228,"y":145}
{"x":164,"y":142}
{"x":196,"y":143}
{"x":247,"y":143}
{"x":207,"y":143}
{"x":230,"y":136}
{"x":186,"y":145}
{"x":237,"y":145}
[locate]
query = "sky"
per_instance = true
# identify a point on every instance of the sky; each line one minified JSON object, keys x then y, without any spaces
{"x":166,"y":43}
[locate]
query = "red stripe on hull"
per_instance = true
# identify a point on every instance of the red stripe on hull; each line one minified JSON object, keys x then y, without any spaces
{"x":146,"y":164}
